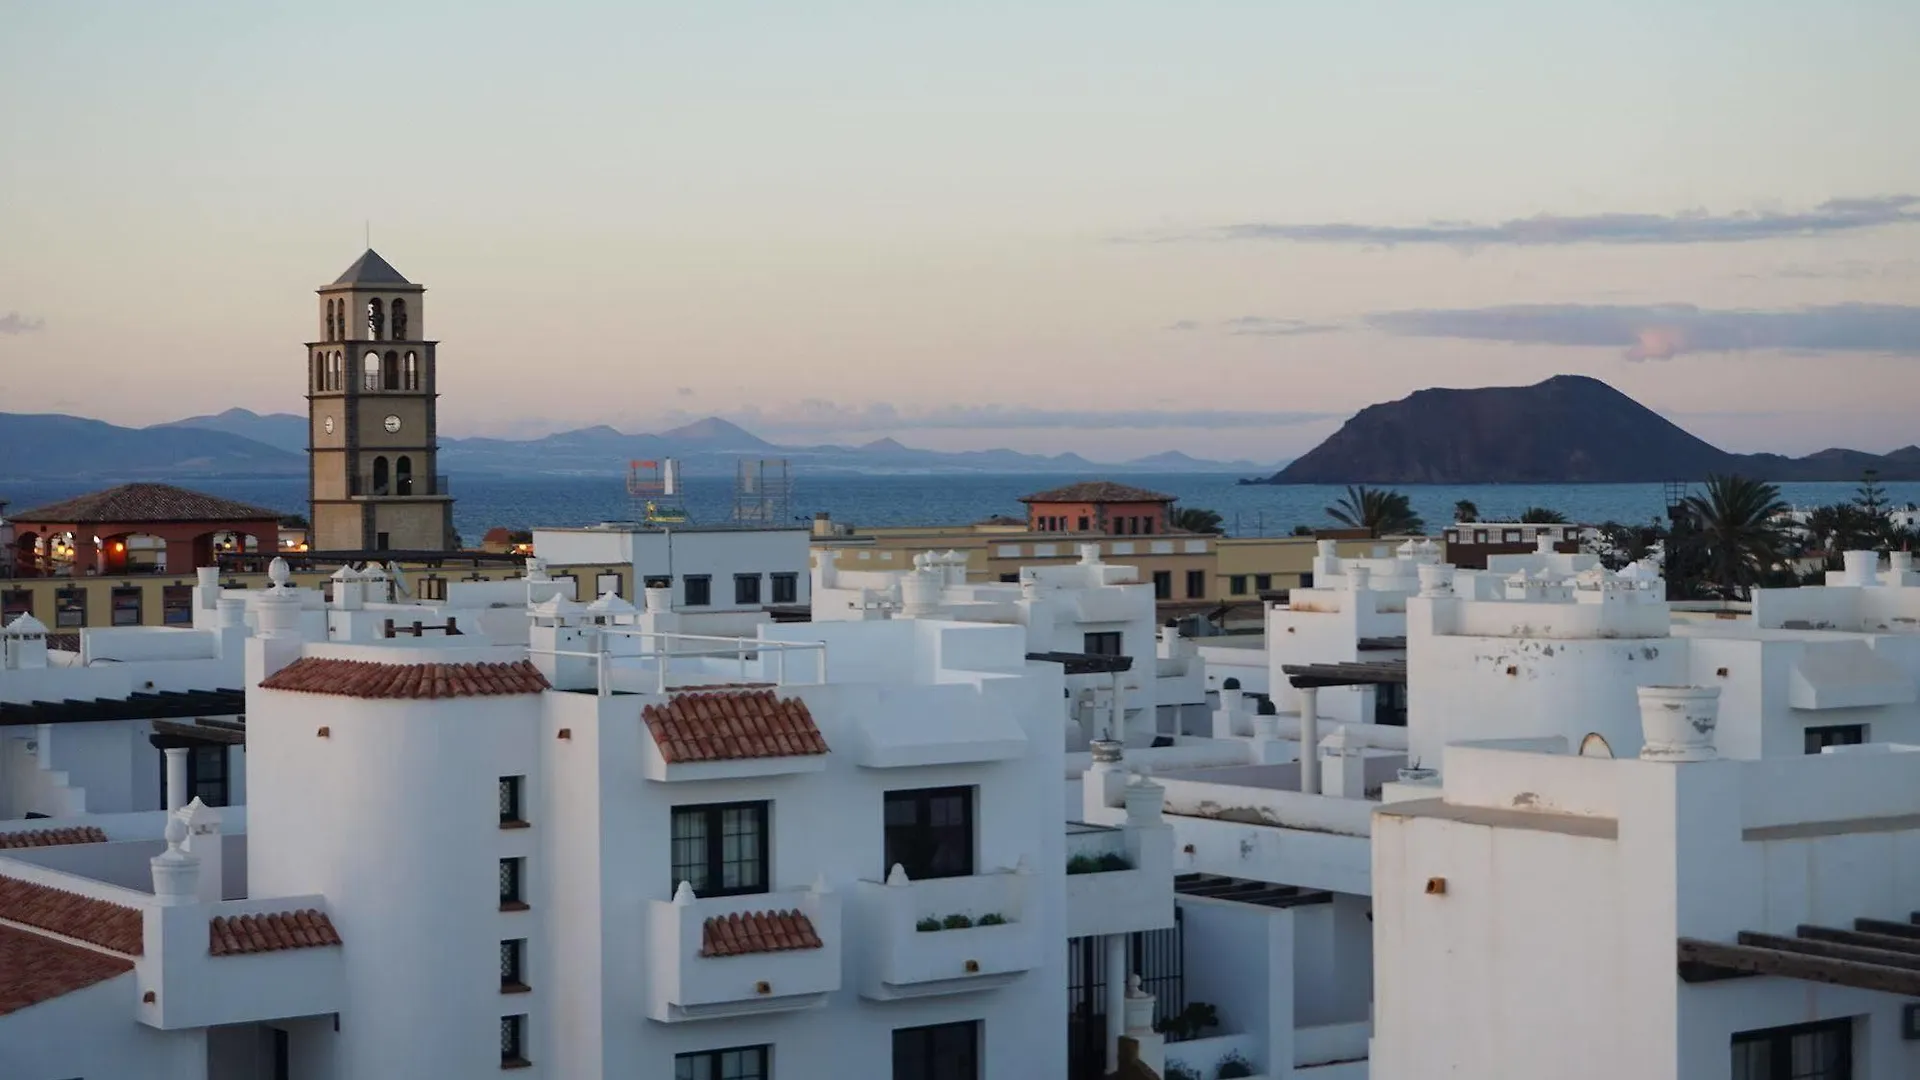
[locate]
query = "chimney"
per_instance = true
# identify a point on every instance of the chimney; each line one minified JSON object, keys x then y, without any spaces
{"x":1677,"y":722}
{"x":203,"y":843}
{"x":1543,"y":543}
{"x":1343,"y":766}
{"x":1436,"y":579}
{"x":1359,"y":576}
{"x":176,"y":874}
{"x":826,"y":565}
{"x":1089,"y":554}
{"x":1863,"y":567}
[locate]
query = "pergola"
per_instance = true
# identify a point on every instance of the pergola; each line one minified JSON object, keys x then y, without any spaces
{"x":1877,"y":954}
{"x":186,"y":521}
{"x":1360,"y":673}
{"x":159,"y":705}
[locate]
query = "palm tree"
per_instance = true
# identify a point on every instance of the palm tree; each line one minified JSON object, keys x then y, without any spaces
{"x":1380,"y":511}
{"x":1540,"y":515}
{"x":1465,"y":511}
{"x":1194,"y":519}
{"x":1736,"y":529}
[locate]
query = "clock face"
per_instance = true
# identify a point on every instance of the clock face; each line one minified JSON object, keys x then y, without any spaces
{"x":392,"y":424}
{"x":327,"y":424}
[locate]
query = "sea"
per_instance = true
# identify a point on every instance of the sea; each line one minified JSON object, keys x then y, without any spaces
{"x":483,"y":502}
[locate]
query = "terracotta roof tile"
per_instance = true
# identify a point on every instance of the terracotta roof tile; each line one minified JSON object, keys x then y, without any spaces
{"x":366,"y":679}
{"x":83,"y":918}
{"x":1096,"y":491}
{"x":84,"y":834}
{"x":34,"y":969}
{"x":730,"y":725}
{"x":242,"y":934}
{"x":143,"y":502}
{"x":757,"y":932}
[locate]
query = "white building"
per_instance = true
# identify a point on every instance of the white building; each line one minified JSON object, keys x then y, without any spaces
{"x":733,"y":574}
{"x":1670,"y":917}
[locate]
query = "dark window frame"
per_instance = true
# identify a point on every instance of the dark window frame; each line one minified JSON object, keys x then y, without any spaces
{"x":15,"y":602}
{"x":1236,"y":584}
{"x":1262,"y":583}
{"x":714,"y":862}
{"x":1196,"y":584}
{"x":716,"y":1063}
{"x":1818,"y":738}
{"x":513,"y":1042}
{"x":513,"y":884}
{"x":513,"y":966}
{"x":923,"y":848}
{"x":1778,"y":1044}
{"x":114,"y":607}
{"x":1163,"y":584}
{"x":785,"y":587}
{"x":937,"y":1051}
{"x":513,"y":802}
{"x":746,"y":588}
{"x":69,"y":602}
{"x":1102,"y":643}
{"x":176,"y":605}
{"x":703,"y":583}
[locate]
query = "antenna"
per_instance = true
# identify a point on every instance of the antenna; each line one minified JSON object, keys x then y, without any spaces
{"x":369,"y":227}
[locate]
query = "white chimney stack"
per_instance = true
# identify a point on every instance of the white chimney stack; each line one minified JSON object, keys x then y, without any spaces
{"x":1359,"y":576}
{"x":1677,"y":722}
{"x":1436,"y":579}
{"x":1863,"y":567}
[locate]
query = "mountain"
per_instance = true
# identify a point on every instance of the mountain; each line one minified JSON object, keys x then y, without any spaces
{"x":283,"y":430}
{"x":40,"y":446}
{"x":1568,"y":429}
{"x":1175,"y":461}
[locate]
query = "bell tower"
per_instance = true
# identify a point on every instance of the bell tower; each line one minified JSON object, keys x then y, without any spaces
{"x":372,"y":435}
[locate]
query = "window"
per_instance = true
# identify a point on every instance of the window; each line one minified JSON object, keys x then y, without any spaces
{"x":390,"y":371}
{"x":1010,"y":579}
{"x":1819,"y":738}
{"x":403,"y":475}
{"x":929,"y":832}
{"x":721,"y":848}
{"x":412,"y":378}
{"x":739,"y":1063}
{"x":330,"y":320}
{"x":1163,"y":584}
{"x":126,"y":606}
{"x":699,"y":590}
{"x":376,"y":322}
{"x":1479,"y":536}
{"x":380,"y":475}
{"x":1237,"y":584}
{"x":1511,"y":536}
{"x":746,"y":588}
{"x":939,"y":1052}
{"x":1262,"y":582}
{"x":606,"y":583}
{"x":176,"y":605}
{"x":1822,"y":1051}
{"x":14,"y":603}
{"x":1146,"y":525}
{"x":432,"y":587}
{"x":1102,"y":643}
{"x":1390,"y":704}
{"x":513,"y":966}
{"x":513,"y":813}
{"x":381,"y":541}
{"x":513,"y":1035}
{"x":206,"y":775}
{"x":399,"y":319}
{"x":370,"y":378}
{"x":512,"y":885}
{"x":69,"y":608}
{"x":786,"y":588}
{"x":1083,"y":523}
{"x":1196,"y":584}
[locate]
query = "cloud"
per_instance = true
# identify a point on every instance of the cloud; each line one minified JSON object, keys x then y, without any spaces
{"x":683,"y":391}
{"x":1185,"y":324}
{"x":1663,"y":331}
{"x":1259,"y":326}
{"x":1550,"y":230}
{"x":15,"y":323}
{"x":817,"y":417}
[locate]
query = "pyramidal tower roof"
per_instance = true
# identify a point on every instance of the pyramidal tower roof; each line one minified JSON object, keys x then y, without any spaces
{"x":371,"y":269}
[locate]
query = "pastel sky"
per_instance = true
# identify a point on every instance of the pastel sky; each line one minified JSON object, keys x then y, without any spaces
{"x":1110,"y":226}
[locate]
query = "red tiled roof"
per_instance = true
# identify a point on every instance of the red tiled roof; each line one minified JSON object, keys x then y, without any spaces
{"x":757,"y":932}
{"x":144,"y":502}
{"x":243,"y":934}
{"x":732,"y":724}
{"x":84,"y":834}
{"x":499,"y":534}
{"x":1097,"y":491}
{"x":83,"y":918}
{"x":34,"y":969}
{"x":366,"y":679}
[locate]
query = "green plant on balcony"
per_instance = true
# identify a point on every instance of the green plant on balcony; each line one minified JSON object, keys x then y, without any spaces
{"x":991,"y":918}
{"x":1177,"y":1070}
{"x":1098,"y":864}
{"x":1189,"y":1023}
{"x":955,"y":922}
{"x":927,"y":924}
{"x":1232,"y":1065}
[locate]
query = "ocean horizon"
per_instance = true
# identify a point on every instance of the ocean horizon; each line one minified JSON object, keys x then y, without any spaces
{"x":483,"y":502}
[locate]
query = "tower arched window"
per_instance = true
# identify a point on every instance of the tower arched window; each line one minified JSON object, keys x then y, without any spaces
{"x":380,"y":476}
{"x":319,"y":371}
{"x":403,"y":475}
{"x":376,"y":320}
{"x":334,"y":381}
{"x":330,"y":322}
{"x":391,"y":370}
{"x":371,"y":380}
{"x":412,"y":376}
{"x":399,"y":319}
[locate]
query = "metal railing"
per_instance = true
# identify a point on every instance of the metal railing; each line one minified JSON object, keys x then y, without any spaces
{"x":401,"y":486}
{"x":747,"y":651}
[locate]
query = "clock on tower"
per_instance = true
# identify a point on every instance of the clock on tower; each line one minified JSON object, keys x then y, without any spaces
{"x":372,"y":479}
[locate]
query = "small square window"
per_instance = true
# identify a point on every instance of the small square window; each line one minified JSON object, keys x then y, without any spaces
{"x":746,"y":588}
{"x":1819,"y":738}
{"x":1101,"y":643}
{"x":699,"y":588}
{"x":513,"y":1042}
{"x":1163,"y":584}
{"x":738,"y":1063}
{"x":513,"y":963}
{"x":1237,"y":584}
{"x":1196,"y":584}
{"x":513,"y":811}
{"x":786,"y":588}
{"x":69,"y":608}
{"x":513,"y":885}
{"x":1262,"y":582}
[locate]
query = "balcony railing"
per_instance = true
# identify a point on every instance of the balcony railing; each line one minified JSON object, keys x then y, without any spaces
{"x":401,"y":487}
{"x":947,"y":935}
{"x":735,"y":955}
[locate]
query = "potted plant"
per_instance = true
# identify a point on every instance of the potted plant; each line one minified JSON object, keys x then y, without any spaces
{"x":1232,"y":1065}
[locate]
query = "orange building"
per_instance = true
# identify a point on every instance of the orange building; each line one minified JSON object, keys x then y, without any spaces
{"x":1100,"y":507}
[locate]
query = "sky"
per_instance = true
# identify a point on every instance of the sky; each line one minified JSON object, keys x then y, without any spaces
{"x":1107,"y":226}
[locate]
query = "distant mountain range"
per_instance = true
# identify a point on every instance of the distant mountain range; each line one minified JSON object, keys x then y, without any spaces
{"x":240,"y":442}
{"x":1568,"y":429}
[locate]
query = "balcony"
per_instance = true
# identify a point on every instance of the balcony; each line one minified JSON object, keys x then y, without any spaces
{"x":1119,"y":880}
{"x":946,"y":935}
{"x":741,"y":955}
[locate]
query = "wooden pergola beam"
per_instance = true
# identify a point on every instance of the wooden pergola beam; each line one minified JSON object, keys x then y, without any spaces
{"x":1752,"y":960}
{"x":1832,"y":950}
{"x":1883,"y":942}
